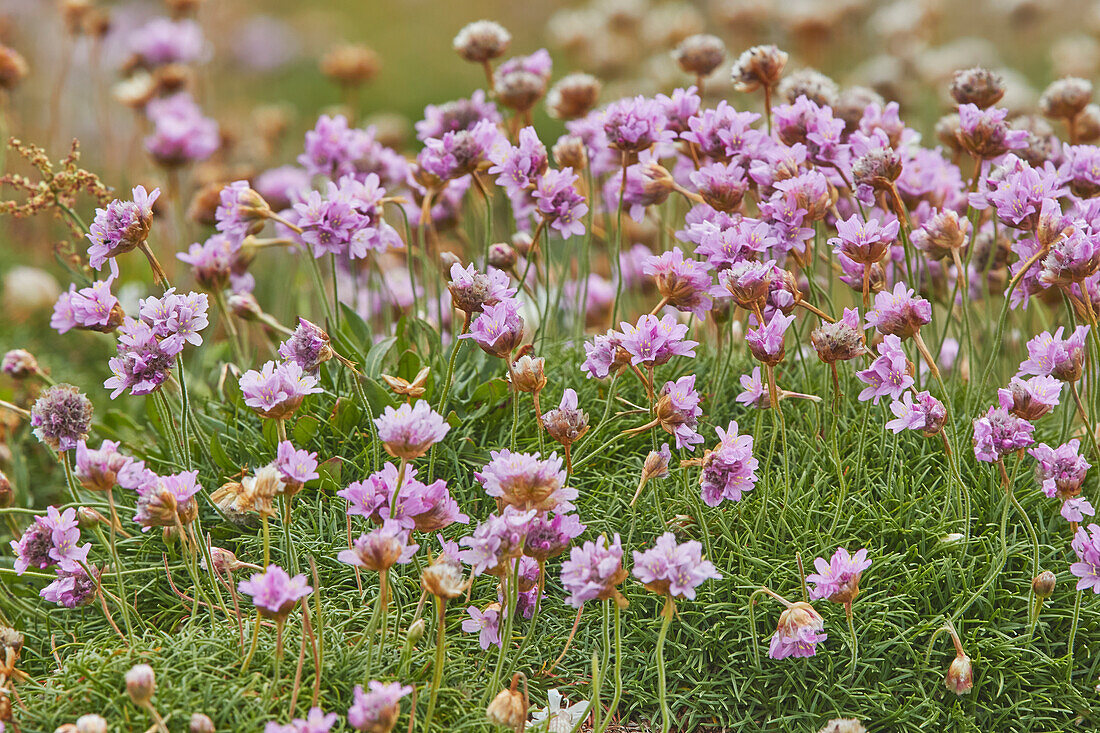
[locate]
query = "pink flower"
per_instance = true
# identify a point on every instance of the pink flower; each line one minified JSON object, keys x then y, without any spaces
{"x":673,"y":569}
{"x":274,"y":592}
{"x":277,"y":390}
{"x":838,"y":579}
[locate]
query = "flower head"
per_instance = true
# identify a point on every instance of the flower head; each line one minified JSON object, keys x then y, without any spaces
{"x":498,"y":330}
{"x":798,"y":633}
{"x":839,"y":341}
{"x":277,"y":390}
{"x":838,"y":579}
{"x":485,"y":623}
{"x":729,"y":470}
{"x":1061,"y":470}
{"x":926,"y":414}
{"x":567,"y":423}
{"x":766,"y":342}
{"x":61,"y":417}
{"x":889,"y":374}
{"x":673,"y":569}
{"x":98,"y":469}
{"x":559,"y":203}
{"x":94,"y":308}
{"x":121,"y":226}
{"x":410,"y":430}
{"x":309,"y":346}
{"x":677,"y":411}
{"x":471,"y":290}
{"x":380,"y":549}
{"x":1000,"y":433}
{"x":274,"y":592}
{"x":593,"y":571}
{"x":168,"y":500}
{"x":550,"y":536}
{"x":899,"y":312}
{"x":684,"y":283}
{"x":376,"y":711}
{"x":1076,"y":509}
{"x":1086,"y":543}
{"x":496,"y":541}
{"x":73,"y":587}
{"x":526,"y":481}
{"x":1030,"y":398}
{"x":653,"y":341}
{"x":1051,"y":354}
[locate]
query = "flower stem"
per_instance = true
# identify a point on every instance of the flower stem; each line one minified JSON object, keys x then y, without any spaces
{"x":1073,"y":635}
{"x":252,"y":646}
{"x":666,"y":620}
{"x":440,"y":659}
{"x":855,"y":641}
{"x":618,"y":666}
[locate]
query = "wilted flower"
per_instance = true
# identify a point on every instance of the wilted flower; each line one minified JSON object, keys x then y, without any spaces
{"x":308,"y":346}
{"x":759,"y":66}
{"x":567,"y":423}
{"x":525,"y":481}
{"x":168,"y":500}
{"x":839,"y":341}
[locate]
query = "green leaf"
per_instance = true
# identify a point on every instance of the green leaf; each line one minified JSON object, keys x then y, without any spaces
{"x":305,"y":429}
{"x":217,"y":452}
{"x":372,"y":365}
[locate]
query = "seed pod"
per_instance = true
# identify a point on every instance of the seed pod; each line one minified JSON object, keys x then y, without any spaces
{"x":1043,"y":584}
{"x":960,"y":675}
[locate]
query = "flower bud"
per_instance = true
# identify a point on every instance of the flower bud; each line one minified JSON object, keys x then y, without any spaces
{"x":508,"y":709}
{"x":655,"y":465}
{"x":91,"y":723}
{"x":415,"y":632}
{"x":447,"y":259}
{"x":88,"y":517}
{"x":521,"y":242}
{"x":1043,"y":584}
{"x":141,"y":683}
{"x":7,"y":493}
{"x":960,"y":675}
{"x":13,"y":68}
{"x":245,"y":306}
{"x":977,"y":86}
{"x":502,"y":256}
{"x":529,"y":373}
{"x":201,"y":723}
{"x":19,"y":364}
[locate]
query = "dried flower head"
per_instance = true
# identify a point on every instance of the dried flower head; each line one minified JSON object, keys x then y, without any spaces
{"x":573,"y":96}
{"x":410,"y":390}
{"x":759,"y":66}
{"x":350,"y":65}
{"x":482,"y":41}
{"x":700,"y":54}
{"x":1065,"y":98}
{"x":13,"y":68}
{"x":61,"y":417}
{"x":980,"y":87}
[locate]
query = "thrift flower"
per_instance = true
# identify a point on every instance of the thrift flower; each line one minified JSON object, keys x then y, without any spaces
{"x":730,"y":469}
{"x":899,"y":312}
{"x":61,"y":417}
{"x":1030,"y":398}
{"x":277,"y":390}
{"x":485,"y":623}
{"x":926,"y":414}
{"x":673,"y":569}
{"x":274,"y":592}
{"x":1051,"y":354}
{"x":1061,"y":470}
{"x":1086,"y":543}
{"x":800,"y":630}
{"x":1075,"y":509}
{"x":121,"y":226}
{"x":410,"y":430}
{"x":889,"y":374}
{"x":838,"y":579}
{"x":376,"y":711}
{"x":999,"y":433}
{"x":594,"y":572}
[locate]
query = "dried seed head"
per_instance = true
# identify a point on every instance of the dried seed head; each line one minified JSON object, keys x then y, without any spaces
{"x":412,"y":389}
{"x":1043,"y":584}
{"x":977,"y":86}
{"x":482,"y":41}
{"x":939,"y":235}
{"x":1065,"y":98}
{"x":758,"y":66}
{"x":443,"y":578}
{"x":529,"y":373}
{"x":837,"y":342}
{"x":141,"y":683}
{"x":570,"y":152}
{"x":519,"y":90}
{"x":13,"y":68}
{"x":201,"y":723}
{"x":1088,"y":124}
{"x":502,"y":256}
{"x":91,"y":723}
{"x":205,"y":202}
{"x":573,"y":96}
{"x":350,"y":65}
{"x":74,"y":12}
{"x":843,"y":725}
{"x":1042,"y":145}
{"x":960,"y":675}
{"x":814,"y":86}
{"x":11,"y":645}
{"x":508,"y":709}
{"x":700,"y":54}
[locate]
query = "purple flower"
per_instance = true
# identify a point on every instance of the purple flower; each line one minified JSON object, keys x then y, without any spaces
{"x":605,"y":354}
{"x":333,"y":149}
{"x":73,"y":587}
{"x":725,"y":246}
{"x":673,"y":569}
{"x":684,"y":283}
{"x":1072,"y":258}
{"x":1023,"y":196}
{"x":652,"y":342}
{"x":1080,"y":169}
{"x":1031,"y":398}
{"x":439,"y":507}
{"x":1058,"y":357}
{"x":471,"y":290}
{"x":838,"y":579}
{"x":498,"y":330}
{"x":559,"y":202}
{"x":888,"y":373}
{"x":721,"y":185}
{"x":98,"y":469}
{"x":496,"y":540}
{"x":1060,"y":470}
{"x":730,"y":469}
{"x":1075,"y":509}
{"x":181,"y":134}
{"x":926,"y":414}
{"x":461,"y":114}
{"x":766,"y":342}
{"x":678,"y":411}
{"x":525,"y":481}
{"x":485,"y":623}
{"x":634,"y":125}
{"x":277,"y":390}
{"x":50,"y":540}
{"x":410,"y":430}
{"x":316,"y":722}
{"x":212,"y":262}
{"x":164,"y":501}
{"x":162,"y":41}
{"x":1000,"y":433}
{"x":296,"y":466}
{"x":755,"y":392}
{"x":120,"y":227}
{"x":274,"y":592}
{"x":593,"y":571}
{"x":812,"y":125}
{"x":748,"y":283}
{"x":347,"y":220}
{"x":308,"y":347}
{"x":93,"y":308}
{"x":566,"y":423}
{"x":380,"y":548}
{"x":549,"y":537}
{"x":1087,"y":546}
{"x":419,"y":506}
{"x":517,"y":168}
{"x":282,"y":186}
{"x":176,"y":319}
{"x":241,"y":211}
{"x":798,"y":633}
{"x":724,"y":134}
{"x":899,"y":312}
{"x":378,"y":709}
{"x":985,"y":134}
{"x":862,"y":241}
{"x":144,"y":362}
{"x":461,"y":152}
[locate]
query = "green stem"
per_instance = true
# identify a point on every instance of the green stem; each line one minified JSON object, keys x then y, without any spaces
{"x":666,"y":614}
{"x":1073,"y":635}
{"x":440,"y":659}
{"x":319,"y":283}
{"x":616,"y":265}
{"x":618,"y":667}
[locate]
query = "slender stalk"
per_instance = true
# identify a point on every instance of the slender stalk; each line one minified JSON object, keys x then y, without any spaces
{"x":1073,"y":634}
{"x":616,"y":264}
{"x":666,"y":620}
{"x":855,"y":640}
{"x":252,"y":646}
{"x":618,"y":667}
{"x":440,"y":659}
